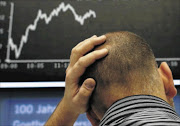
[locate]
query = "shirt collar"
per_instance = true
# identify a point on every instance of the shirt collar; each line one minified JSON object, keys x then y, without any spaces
{"x":133,"y":104}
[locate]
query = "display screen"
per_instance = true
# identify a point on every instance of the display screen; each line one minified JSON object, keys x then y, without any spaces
{"x":36,"y":36}
{"x":32,"y":112}
{"x":33,"y":107}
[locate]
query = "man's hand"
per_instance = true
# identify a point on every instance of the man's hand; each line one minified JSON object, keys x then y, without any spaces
{"x":79,"y":61}
{"x":76,"y":98}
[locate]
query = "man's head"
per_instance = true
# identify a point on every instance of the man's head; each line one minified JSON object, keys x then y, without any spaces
{"x":129,"y":69}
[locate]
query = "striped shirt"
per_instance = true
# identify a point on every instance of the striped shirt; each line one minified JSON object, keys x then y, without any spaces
{"x":140,"y":110}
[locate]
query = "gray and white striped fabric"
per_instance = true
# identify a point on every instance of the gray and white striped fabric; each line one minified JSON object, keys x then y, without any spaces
{"x":140,"y":110}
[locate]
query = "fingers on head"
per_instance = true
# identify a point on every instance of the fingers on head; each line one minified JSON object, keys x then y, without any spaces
{"x":86,"y":61}
{"x":87,"y":45}
{"x":90,"y":58}
{"x":79,"y":44}
{"x":74,"y":72}
{"x":90,"y":43}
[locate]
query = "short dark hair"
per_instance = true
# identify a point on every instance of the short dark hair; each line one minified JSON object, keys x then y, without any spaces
{"x":128,"y":53}
{"x":129,"y":67}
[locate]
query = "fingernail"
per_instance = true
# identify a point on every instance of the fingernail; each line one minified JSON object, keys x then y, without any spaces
{"x":93,"y":36}
{"x":102,"y":36}
{"x":104,"y":50}
{"x":89,"y":85}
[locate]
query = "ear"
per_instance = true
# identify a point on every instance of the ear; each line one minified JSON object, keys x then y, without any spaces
{"x":167,"y":79}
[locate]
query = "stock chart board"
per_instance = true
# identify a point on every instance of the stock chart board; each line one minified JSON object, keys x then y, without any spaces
{"x":36,"y":37}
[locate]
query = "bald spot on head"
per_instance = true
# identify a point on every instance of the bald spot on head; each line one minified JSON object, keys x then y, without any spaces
{"x":129,"y":69}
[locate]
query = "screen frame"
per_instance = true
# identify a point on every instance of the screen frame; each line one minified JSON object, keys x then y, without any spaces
{"x":45,"y":84}
{"x":32,"y":84}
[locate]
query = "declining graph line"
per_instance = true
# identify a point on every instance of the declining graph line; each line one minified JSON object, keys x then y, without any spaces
{"x":32,"y":27}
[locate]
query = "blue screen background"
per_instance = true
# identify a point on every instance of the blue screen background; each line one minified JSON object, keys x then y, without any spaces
{"x":33,"y":108}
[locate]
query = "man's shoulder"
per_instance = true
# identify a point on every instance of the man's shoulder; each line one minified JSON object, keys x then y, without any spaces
{"x":152,"y":117}
{"x":140,"y":110}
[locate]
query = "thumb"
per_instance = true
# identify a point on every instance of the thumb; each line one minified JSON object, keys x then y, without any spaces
{"x":85,"y":91}
{"x":89,"y":84}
